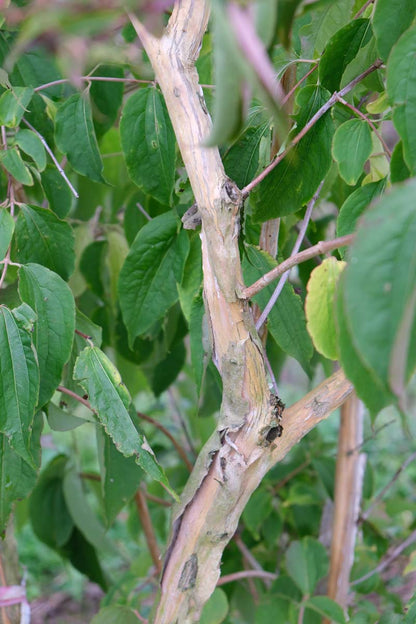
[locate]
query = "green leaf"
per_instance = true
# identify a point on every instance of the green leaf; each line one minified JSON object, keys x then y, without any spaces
{"x":380,"y":311}
{"x":340,"y":50}
{"x":326,"y":19}
{"x":37,"y":67}
{"x":147,"y":284}
{"x":53,"y":334}
{"x":258,"y":508}
{"x":115,"y":615}
{"x":241,"y":160}
{"x":326,"y":608}
{"x":167,"y":370}
{"x":192,"y":277}
{"x":106,"y":97}
{"x":198,"y":342}
{"x":399,"y":171}
{"x":391,"y":18}
{"x":292,"y":183}
{"x":401,"y":89}
{"x":148,"y":143}
{"x":215,"y":609}
{"x":48,"y":511}
{"x":75,"y":137}
{"x":319,"y":306}
{"x":307,"y":563}
{"x":13,"y":105}
{"x":60,"y":420}
{"x":6,"y":231}
{"x":354,"y":206}
{"x":57,"y":191}
{"x":110,"y":399}
{"x":43,"y":238}
{"x":30,"y":143}
{"x":287,"y":322}
{"x":120,"y":476}
{"x":19,"y":379}
{"x":351,"y":147}
{"x":84,"y":558}
{"x":83,"y":516}
{"x":13,"y":163}
{"x":16,"y":480}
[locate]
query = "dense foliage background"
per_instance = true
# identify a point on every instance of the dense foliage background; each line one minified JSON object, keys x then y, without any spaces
{"x":107,"y":390}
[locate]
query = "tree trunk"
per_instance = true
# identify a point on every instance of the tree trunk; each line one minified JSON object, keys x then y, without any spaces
{"x":238,"y":454}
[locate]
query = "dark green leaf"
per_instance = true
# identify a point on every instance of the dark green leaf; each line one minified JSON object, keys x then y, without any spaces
{"x":147,"y":284}
{"x":6,"y":231}
{"x":148,"y":143}
{"x":199,"y":341}
{"x":49,"y":514}
{"x":307,"y":563}
{"x":257,"y":510}
{"x":292,"y":183}
{"x":13,"y":105}
{"x":351,"y":147}
{"x":380,"y":311}
{"x":57,"y":191}
{"x":30,"y":143}
{"x":326,"y":19}
{"x":326,"y":608}
{"x":287,"y":322}
{"x":19,"y":379}
{"x":106,"y":97}
{"x":35,"y":68}
{"x":13,"y":163}
{"x":167,"y":370}
{"x":43,"y":238}
{"x":192,"y":277}
{"x":16,"y":480}
{"x":60,"y":420}
{"x":341,"y":50}
{"x":83,"y":557}
{"x":401,"y":89}
{"x":399,"y":171}
{"x":354,"y":206}
{"x":215,"y":609}
{"x":52,"y":300}
{"x":120,"y":476}
{"x":391,"y":18}
{"x":111,"y":400}
{"x":241,"y":160}
{"x":75,"y":137}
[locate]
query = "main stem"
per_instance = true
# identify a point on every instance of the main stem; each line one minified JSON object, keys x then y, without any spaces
{"x":236,"y":457}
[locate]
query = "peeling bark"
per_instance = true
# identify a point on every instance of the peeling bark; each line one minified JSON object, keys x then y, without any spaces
{"x":240,"y":451}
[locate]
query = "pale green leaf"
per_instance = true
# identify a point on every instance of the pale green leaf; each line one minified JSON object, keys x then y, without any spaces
{"x":6,"y":231}
{"x":75,"y":137}
{"x":61,"y":420}
{"x":319,"y":306}
{"x":215,"y":609}
{"x":30,"y":143}
{"x":147,"y":284}
{"x":13,"y":163}
{"x":19,"y":379}
{"x":13,"y":105}
{"x":351,"y":147}
{"x":326,"y":608}
{"x":43,"y":238}
{"x":53,"y":302}
{"x":115,"y":615}
{"x":148,"y":143}
{"x":401,"y":89}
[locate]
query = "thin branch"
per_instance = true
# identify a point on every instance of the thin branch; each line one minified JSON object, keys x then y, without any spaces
{"x":85,"y":336}
{"x":75,"y":396}
{"x":387,"y":560}
{"x":91,"y":78}
{"x":295,"y":250}
{"x":168,"y":434}
{"x":148,"y":530}
{"x":370,"y":123}
{"x":52,"y":155}
{"x":381,"y":494}
{"x":320,"y":113}
{"x":244,"y":574}
{"x":158,"y":500}
{"x":143,"y":211}
{"x":363,"y":8}
{"x":322,"y":247}
{"x":293,"y":89}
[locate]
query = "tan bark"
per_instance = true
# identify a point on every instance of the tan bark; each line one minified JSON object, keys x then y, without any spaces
{"x":236,"y":457}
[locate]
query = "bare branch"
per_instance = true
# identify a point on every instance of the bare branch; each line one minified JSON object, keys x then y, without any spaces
{"x":168,"y":434}
{"x":322,"y":247}
{"x":75,"y":396}
{"x":320,"y":113}
{"x":246,"y":574}
{"x":147,"y":526}
{"x":91,"y":79}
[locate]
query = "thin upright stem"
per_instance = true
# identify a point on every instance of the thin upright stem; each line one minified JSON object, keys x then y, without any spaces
{"x":320,"y":113}
{"x":52,"y":155}
{"x":320,"y":248}
{"x":295,"y":250}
